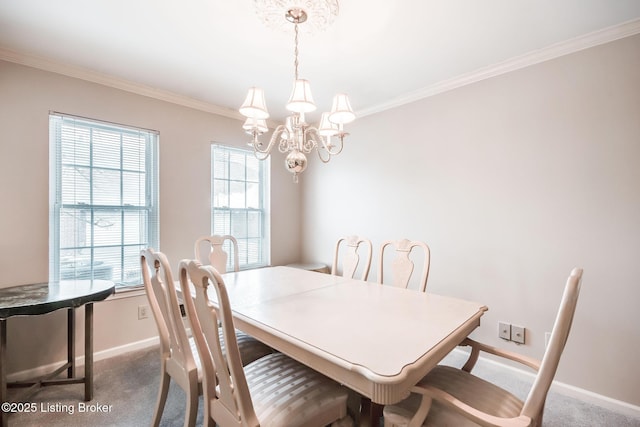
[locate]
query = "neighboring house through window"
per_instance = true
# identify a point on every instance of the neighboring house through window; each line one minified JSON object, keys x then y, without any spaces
{"x":103,"y":199}
{"x":239,"y":203}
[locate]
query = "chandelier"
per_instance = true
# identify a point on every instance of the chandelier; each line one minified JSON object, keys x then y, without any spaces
{"x":296,"y":137}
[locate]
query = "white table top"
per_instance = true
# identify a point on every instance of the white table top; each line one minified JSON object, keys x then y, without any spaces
{"x":375,"y":339}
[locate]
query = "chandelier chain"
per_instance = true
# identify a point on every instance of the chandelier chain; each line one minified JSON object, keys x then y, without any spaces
{"x":295,"y":52}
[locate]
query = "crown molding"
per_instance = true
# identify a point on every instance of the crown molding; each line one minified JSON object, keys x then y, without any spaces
{"x":114,"y":82}
{"x":556,"y":50}
{"x":586,"y":41}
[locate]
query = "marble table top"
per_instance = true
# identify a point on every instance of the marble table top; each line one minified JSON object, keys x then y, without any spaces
{"x":41,"y":298}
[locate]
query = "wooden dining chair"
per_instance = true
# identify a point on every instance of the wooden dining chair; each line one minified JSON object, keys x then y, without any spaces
{"x":176,"y":349}
{"x":402,"y":266}
{"x":179,"y":357}
{"x":210,"y":250}
{"x":274,"y":390}
{"x":351,"y":259}
{"x":455,"y":397}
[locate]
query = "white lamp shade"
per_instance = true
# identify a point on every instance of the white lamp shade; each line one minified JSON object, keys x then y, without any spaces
{"x":341,"y":111}
{"x":252,"y":124}
{"x":301,"y":100}
{"x":326,"y":128}
{"x":254,"y":106}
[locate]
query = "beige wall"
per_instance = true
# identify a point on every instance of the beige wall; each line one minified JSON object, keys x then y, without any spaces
{"x":26,"y":97}
{"x":512,"y":182}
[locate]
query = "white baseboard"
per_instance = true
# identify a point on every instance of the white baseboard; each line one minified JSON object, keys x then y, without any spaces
{"x":116,"y":351}
{"x":568,"y":390}
{"x":100,"y":355}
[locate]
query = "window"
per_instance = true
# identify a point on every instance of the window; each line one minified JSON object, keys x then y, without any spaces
{"x":239,"y":202}
{"x":103,"y":199}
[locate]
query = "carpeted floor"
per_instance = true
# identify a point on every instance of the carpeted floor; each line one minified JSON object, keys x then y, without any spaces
{"x":126,"y":389}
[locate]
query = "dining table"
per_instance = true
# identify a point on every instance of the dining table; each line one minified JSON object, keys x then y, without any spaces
{"x":377,"y":340}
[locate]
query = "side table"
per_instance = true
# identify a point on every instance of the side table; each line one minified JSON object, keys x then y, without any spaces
{"x":42,"y":298}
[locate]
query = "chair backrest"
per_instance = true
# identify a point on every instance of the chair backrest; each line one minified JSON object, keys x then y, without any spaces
{"x":209,"y":250}
{"x":402,"y":266}
{"x":222,"y":368}
{"x":351,"y":258}
{"x":535,"y":400}
{"x":163,"y":300}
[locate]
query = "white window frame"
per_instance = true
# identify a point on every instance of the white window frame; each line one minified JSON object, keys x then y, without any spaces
{"x":136,"y":212}
{"x":225,"y":213}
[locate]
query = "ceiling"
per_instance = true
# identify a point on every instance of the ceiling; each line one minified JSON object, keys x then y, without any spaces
{"x":382,"y":53}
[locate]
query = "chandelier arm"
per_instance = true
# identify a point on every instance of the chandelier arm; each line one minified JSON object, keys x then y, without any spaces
{"x":319,"y":143}
{"x":261,"y":156}
{"x":260,"y":153}
{"x":339,"y":147}
{"x":319,"y":151}
{"x":284,"y":146}
{"x":255,"y":144}
{"x":309,"y":141}
{"x":326,"y":144}
{"x":322,"y":149}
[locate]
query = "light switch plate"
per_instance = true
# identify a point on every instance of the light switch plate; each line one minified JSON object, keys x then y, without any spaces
{"x":517,"y":334}
{"x":504,"y":330}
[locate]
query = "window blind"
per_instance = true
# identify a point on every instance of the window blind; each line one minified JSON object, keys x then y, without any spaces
{"x":103,"y":199}
{"x":239,"y":198}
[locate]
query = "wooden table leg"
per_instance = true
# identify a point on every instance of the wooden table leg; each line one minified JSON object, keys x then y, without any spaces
{"x":88,"y":351}
{"x":375,"y":412}
{"x":372,"y":411}
{"x":3,"y":372}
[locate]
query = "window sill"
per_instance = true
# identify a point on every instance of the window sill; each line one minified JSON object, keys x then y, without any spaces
{"x":127,"y":292}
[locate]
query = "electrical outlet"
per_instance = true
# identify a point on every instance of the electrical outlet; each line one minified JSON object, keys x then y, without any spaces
{"x":504,"y":330}
{"x":517,"y":334}
{"x":143,"y":312}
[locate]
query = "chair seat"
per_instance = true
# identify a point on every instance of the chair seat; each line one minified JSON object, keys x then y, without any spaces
{"x":289,"y":394}
{"x":474,"y":391}
{"x":250,"y":348}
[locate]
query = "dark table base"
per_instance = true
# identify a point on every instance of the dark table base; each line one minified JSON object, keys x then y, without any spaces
{"x":50,"y":379}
